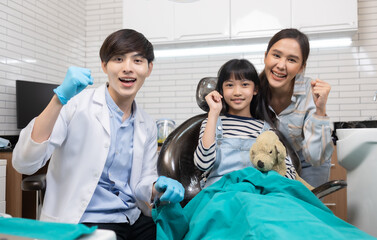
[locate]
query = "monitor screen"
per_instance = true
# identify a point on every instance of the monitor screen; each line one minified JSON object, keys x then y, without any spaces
{"x":31,"y":99}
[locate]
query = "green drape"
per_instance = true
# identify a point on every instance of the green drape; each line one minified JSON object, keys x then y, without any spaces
{"x":42,"y":230}
{"x":248,"y":204}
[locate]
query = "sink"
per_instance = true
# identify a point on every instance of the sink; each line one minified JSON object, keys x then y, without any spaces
{"x":354,"y":145}
{"x":357,"y":153}
{"x":352,"y":124}
{"x":356,"y":124}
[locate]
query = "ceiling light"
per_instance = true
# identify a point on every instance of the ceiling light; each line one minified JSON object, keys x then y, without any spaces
{"x":242,"y":48}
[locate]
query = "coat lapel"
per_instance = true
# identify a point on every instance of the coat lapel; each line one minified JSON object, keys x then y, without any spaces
{"x":101,"y":110}
{"x":139,"y":143}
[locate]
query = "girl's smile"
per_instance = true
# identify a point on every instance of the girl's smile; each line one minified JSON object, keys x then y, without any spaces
{"x":238,"y":94}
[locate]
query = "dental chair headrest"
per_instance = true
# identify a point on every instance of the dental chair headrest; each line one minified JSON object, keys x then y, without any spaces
{"x":205,"y":86}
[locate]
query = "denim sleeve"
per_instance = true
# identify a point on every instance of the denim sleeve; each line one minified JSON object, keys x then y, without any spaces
{"x":318,"y":146}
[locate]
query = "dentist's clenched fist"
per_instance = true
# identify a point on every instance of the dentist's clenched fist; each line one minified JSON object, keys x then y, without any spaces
{"x":74,"y":82}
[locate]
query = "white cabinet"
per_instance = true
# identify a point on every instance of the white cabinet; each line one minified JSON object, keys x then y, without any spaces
{"x":153,"y":18}
{"x":166,"y":21}
{"x":323,"y":16}
{"x":256,"y":18}
{"x":176,"y":21}
{"x":203,"y":19}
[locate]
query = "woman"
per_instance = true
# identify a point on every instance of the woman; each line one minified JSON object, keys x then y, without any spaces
{"x":298,"y":103}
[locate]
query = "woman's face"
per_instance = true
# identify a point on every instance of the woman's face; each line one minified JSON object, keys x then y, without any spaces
{"x":282,"y":63}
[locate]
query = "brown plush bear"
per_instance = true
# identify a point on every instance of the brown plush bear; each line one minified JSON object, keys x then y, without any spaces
{"x":268,"y":153}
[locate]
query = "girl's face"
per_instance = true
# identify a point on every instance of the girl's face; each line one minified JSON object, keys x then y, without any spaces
{"x":238,"y":95}
{"x":282,"y":63}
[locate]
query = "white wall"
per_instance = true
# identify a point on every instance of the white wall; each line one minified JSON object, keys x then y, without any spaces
{"x":351,"y":71}
{"x":58,"y":35}
{"x":39,"y":39}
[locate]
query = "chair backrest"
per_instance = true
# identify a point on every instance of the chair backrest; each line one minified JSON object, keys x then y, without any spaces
{"x":176,"y":158}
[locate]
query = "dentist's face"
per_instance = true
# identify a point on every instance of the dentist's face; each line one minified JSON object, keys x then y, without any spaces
{"x":126,"y":74}
{"x":282,"y":63}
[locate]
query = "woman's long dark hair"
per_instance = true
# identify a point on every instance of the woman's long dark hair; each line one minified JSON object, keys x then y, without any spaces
{"x":302,"y":40}
{"x":265,"y":91}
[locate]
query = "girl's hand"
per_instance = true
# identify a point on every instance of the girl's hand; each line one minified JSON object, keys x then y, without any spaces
{"x":320,"y":90}
{"x":213,"y":100}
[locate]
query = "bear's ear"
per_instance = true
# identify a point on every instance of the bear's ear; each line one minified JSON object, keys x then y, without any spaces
{"x":280,"y":151}
{"x":252,"y":154}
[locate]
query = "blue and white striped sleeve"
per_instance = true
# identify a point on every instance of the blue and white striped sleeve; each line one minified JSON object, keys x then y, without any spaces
{"x":291,"y":171}
{"x":204,"y":158}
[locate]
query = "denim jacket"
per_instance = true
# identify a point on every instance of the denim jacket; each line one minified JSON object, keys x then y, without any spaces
{"x":308,"y":133}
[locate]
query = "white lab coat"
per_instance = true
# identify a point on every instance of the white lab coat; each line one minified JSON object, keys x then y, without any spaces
{"x":79,"y":145}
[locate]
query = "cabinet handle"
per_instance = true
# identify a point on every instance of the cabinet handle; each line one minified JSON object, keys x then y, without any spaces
{"x":330,"y":204}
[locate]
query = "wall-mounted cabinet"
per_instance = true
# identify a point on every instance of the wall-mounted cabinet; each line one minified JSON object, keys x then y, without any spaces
{"x":204,"y":19}
{"x":323,"y":16}
{"x":169,"y":21}
{"x":153,"y":18}
{"x":176,"y":21}
{"x":255,"y":18}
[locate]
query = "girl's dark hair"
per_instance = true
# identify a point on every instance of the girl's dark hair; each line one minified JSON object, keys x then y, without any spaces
{"x":243,"y":69}
{"x":125,"y":41}
{"x":239,"y":69}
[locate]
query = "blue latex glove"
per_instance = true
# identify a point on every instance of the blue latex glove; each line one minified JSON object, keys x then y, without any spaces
{"x":74,"y":82}
{"x":173,"y":190}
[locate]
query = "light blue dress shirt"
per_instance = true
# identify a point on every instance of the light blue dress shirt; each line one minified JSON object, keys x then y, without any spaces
{"x":113,"y":201}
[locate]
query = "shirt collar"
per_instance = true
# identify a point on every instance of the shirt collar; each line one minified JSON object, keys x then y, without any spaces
{"x":299,"y":87}
{"x":114,"y":107}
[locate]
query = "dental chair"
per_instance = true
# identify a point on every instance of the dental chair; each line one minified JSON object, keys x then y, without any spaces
{"x":176,"y":155}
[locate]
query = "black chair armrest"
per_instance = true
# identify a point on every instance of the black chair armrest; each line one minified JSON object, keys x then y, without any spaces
{"x":34,"y":183}
{"x":176,"y":156}
{"x":329,"y":187}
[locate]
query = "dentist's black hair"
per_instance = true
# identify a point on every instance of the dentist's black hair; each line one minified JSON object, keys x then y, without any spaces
{"x":125,"y":41}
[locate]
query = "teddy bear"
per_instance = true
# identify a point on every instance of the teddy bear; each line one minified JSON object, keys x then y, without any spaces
{"x":268,"y":153}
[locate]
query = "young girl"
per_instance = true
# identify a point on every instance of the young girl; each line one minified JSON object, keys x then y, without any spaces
{"x":235,"y":119}
{"x":298,"y":103}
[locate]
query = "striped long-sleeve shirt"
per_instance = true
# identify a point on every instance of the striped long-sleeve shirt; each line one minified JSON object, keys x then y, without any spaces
{"x":233,"y":127}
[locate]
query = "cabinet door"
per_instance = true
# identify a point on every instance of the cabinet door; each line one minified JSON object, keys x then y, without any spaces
{"x":201,"y":20}
{"x":255,"y":18}
{"x":153,"y":18}
{"x":321,"y":16}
